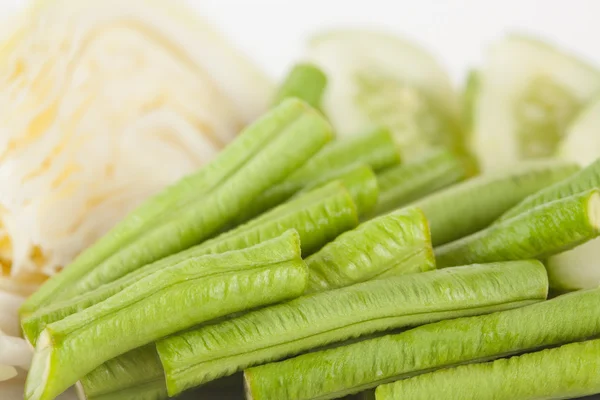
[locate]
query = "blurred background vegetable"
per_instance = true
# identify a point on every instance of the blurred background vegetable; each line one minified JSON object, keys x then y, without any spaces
{"x":103,"y":103}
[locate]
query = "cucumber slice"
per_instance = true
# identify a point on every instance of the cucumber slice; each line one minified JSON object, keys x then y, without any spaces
{"x":582,"y":143}
{"x":378,"y":79}
{"x":530,"y":93}
{"x":578,"y":268}
{"x":575,"y":269}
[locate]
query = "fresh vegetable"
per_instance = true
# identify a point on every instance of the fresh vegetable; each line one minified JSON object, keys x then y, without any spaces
{"x":406,"y":183}
{"x":376,"y":148}
{"x":272,"y":333}
{"x":530,"y":92}
{"x":113,"y":380}
{"x":378,"y":79}
{"x":15,"y":354}
{"x":585,"y":179}
{"x":472,"y":205}
{"x":395,"y":244}
{"x":232,"y":189}
{"x":92,"y":94}
{"x":576,"y":268}
{"x":361,"y":182}
{"x":470,"y":99}
{"x":306,"y":82}
{"x":539,"y":233}
{"x":170,"y":300}
{"x":343,"y":370}
{"x":581,"y":143}
{"x":568,"y":371}
{"x":318,"y":216}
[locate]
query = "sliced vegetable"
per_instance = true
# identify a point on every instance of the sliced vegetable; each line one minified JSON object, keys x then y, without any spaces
{"x":260,"y":157}
{"x":14,"y":352}
{"x":79,"y":147}
{"x":272,"y":333}
{"x":113,"y":380}
{"x":343,"y":370}
{"x":565,"y":372}
{"x":318,"y":216}
{"x":406,"y":183}
{"x":378,"y":79}
{"x":575,"y":269}
{"x":377,"y":149}
{"x":581,"y":144}
{"x":539,"y":233}
{"x":395,"y":244}
{"x":474,"y":204}
{"x":529,"y":95}
{"x":170,"y":300}
{"x":306,"y":82}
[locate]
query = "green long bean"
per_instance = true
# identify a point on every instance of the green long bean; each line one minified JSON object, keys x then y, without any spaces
{"x":406,"y":183}
{"x":376,"y":149}
{"x":272,"y":333}
{"x":586,"y":179}
{"x":171,"y":300}
{"x":318,"y":216}
{"x":306,"y":82}
{"x":137,"y":377}
{"x":565,"y":372}
{"x":539,"y":233}
{"x":472,"y":205}
{"x":259,"y":158}
{"x":361,"y":182}
{"x":394,"y":244}
{"x":364,"y":365}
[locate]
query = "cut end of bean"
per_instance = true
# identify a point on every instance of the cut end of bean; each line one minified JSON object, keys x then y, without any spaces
{"x":247,"y":386}
{"x":39,"y":385}
{"x":80,"y":391}
{"x":594,"y":210}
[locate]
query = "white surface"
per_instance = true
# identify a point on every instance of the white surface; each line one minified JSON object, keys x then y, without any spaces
{"x":273,"y":31}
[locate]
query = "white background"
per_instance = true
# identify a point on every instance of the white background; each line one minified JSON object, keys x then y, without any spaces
{"x":273,"y":31}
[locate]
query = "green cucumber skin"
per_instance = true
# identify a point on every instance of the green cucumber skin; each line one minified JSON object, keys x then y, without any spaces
{"x":335,"y":372}
{"x":394,"y":244}
{"x":472,"y":205}
{"x":145,"y":216}
{"x":568,"y":371}
{"x":168,"y":301}
{"x":272,"y":333}
{"x":539,"y":233}
{"x":318,"y":216}
{"x":361,"y":182}
{"x":203,"y":218}
{"x":306,"y":82}
{"x":113,"y":380}
{"x":586,"y":179}
{"x":377,"y":149}
{"x":406,"y":183}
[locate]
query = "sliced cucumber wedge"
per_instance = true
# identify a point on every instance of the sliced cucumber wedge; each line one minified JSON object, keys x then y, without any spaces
{"x":575,"y":269}
{"x":582,"y":142}
{"x":530,"y":93}
{"x":378,"y":79}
